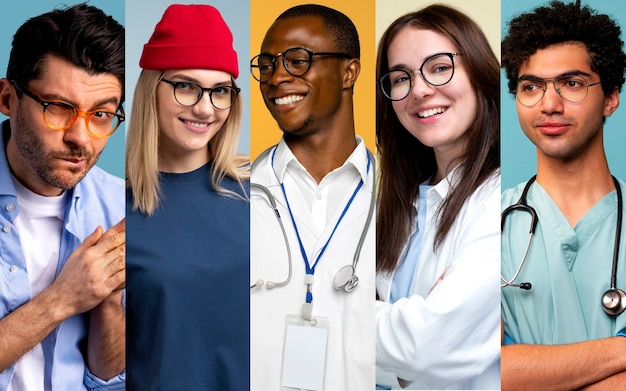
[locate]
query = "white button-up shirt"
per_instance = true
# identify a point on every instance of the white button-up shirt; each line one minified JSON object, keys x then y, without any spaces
{"x":446,"y":334}
{"x":350,"y":357}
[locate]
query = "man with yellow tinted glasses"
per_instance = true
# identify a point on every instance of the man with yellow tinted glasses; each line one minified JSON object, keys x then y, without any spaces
{"x":62,"y":234}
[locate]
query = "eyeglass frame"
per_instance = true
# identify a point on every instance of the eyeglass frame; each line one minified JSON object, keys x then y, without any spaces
{"x":411,"y":73}
{"x":210,"y":90}
{"x":121,"y":117}
{"x":283,"y":54}
{"x":553,"y":80}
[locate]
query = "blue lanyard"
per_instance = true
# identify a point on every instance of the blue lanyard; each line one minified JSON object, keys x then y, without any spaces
{"x":311,"y":269}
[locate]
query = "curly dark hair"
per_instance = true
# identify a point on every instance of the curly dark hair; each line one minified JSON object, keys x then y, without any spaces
{"x":560,"y":23}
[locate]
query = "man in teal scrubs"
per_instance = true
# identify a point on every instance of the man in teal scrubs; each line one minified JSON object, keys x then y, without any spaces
{"x":565,"y":66}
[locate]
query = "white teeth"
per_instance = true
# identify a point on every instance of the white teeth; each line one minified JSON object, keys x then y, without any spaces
{"x":197,"y":124}
{"x":431,"y":112}
{"x":285,"y":100}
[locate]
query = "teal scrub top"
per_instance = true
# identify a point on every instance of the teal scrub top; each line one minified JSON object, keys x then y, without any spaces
{"x":569,"y":269}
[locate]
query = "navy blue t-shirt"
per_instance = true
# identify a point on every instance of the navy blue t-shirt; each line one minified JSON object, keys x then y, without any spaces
{"x":188,"y":292}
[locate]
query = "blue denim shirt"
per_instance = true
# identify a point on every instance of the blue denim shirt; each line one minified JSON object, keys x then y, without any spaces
{"x":99,"y":199}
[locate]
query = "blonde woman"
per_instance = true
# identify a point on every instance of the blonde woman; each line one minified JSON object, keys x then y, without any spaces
{"x":187,"y":208}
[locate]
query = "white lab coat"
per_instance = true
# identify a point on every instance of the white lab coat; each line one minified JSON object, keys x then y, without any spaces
{"x":446,"y":334}
{"x":350,"y":359}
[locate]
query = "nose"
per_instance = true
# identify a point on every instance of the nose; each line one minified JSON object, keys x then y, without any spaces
{"x":280,"y":73}
{"x":204,"y":108}
{"x":78,"y":134}
{"x":420,"y":87}
{"x":552,"y":102}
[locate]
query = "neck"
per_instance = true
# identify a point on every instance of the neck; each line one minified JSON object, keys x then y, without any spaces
{"x":445,"y":164}
{"x":179,"y":163}
{"x":322,"y":153}
{"x":575,"y":185}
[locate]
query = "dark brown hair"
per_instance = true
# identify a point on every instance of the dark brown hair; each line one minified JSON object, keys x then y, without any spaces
{"x":405,"y":162}
{"x":82,"y":35}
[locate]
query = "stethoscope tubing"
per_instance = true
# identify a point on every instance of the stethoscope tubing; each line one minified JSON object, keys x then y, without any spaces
{"x":357,"y":252}
{"x":272,"y":201}
{"x":522,"y":204}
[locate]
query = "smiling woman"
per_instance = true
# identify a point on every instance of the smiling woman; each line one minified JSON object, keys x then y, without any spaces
{"x":437,"y":224}
{"x":187,"y":210}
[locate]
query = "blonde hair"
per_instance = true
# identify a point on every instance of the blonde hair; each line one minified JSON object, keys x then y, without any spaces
{"x":142,"y":147}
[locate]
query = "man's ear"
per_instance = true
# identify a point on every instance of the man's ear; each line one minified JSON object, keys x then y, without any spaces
{"x":6,"y":93}
{"x":611,"y":102}
{"x":352,"y":70}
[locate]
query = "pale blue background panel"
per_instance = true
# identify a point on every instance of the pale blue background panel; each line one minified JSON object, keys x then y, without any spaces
{"x":519,"y":160}
{"x":15,"y":13}
{"x":142,"y":17}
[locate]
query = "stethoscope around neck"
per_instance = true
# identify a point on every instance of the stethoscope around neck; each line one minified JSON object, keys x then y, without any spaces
{"x":346,"y":277}
{"x":614,"y":299}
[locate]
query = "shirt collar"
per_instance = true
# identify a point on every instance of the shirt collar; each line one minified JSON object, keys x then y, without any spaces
{"x":282,"y":158}
{"x":6,"y":183}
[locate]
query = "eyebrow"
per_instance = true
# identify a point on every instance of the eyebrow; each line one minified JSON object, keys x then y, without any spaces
{"x":400,"y":67}
{"x":100,"y":103}
{"x":564,"y":74}
{"x":189,"y":79}
{"x":293,"y":47}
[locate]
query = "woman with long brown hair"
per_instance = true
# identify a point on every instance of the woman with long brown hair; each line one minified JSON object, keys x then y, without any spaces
{"x":438,"y":234}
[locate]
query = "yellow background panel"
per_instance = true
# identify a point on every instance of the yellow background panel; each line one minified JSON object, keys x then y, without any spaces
{"x":484,"y":12}
{"x":263,"y":129}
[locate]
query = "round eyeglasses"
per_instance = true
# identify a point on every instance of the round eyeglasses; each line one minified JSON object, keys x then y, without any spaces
{"x":572,"y":88}
{"x":60,"y":115}
{"x":436,"y":70}
{"x":297,"y":61}
{"x":188,"y":94}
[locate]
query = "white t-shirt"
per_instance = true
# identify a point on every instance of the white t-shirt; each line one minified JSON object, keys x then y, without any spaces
{"x":40,"y":224}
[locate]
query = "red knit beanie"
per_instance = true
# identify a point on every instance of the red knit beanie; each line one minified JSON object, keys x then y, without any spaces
{"x":190,"y":37}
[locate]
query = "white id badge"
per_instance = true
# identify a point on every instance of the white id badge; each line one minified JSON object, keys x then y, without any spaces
{"x":304,"y":353}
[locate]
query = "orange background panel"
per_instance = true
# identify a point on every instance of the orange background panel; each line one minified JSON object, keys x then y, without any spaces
{"x":263,"y":129}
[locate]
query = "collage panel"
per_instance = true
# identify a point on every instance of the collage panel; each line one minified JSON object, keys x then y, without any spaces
{"x":187,"y":202}
{"x":438,"y":234}
{"x":312,"y":265}
{"x":62,"y":323}
{"x":343,"y":159}
{"x":563,"y":273}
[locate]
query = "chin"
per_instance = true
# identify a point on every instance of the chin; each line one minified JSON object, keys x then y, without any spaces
{"x":295,"y":130}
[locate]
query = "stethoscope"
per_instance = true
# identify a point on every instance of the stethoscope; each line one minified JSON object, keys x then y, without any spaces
{"x":613,"y":300}
{"x":346,"y":277}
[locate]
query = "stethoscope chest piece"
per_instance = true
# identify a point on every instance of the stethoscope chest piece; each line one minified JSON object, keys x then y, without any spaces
{"x":614,"y":301}
{"x":346,"y":279}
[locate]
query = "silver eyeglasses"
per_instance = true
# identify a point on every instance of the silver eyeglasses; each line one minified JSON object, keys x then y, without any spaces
{"x":572,"y":87}
{"x":436,"y":70}
{"x":188,"y":94}
{"x":297,"y":61}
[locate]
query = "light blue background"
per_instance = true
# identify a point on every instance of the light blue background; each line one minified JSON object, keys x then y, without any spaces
{"x":139,"y":17}
{"x":519,"y":159}
{"x":15,"y":13}
{"x":142,"y":17}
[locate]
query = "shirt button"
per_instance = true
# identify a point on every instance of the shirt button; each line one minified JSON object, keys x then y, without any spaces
{"x":6,"y":228}
{"x":10,"y":207}
{"x":319,"y":196}
{"x":13,"y":269}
